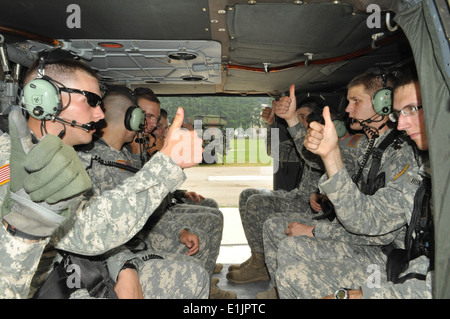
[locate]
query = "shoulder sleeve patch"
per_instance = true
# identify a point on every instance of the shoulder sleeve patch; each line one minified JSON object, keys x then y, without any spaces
{"x":354,"y":140}
{"x":4,"y":174}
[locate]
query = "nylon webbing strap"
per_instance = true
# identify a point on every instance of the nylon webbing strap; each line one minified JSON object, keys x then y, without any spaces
{"x":95,"y":277}
{"x":376,"y":162}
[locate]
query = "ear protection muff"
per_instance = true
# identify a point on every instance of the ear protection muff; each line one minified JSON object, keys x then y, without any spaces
{"x":134,"y":118}
{"x":41,"y":98}
{"x":382,"y":99}
{"x":341,"y":130}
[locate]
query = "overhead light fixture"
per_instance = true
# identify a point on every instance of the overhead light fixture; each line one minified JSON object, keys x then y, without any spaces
{"x":114,"y":45}
{"x":182,"y":55}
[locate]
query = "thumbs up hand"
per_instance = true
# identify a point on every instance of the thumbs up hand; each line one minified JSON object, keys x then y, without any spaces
{"x":183,"y":146}
{"x":286,"y":107}
{"x":45,"y":179}
{"x":322,"y":139}
{"x":268,"y":114}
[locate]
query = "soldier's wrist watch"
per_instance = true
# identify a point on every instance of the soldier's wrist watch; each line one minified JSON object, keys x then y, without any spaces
{"x":341,"y":293}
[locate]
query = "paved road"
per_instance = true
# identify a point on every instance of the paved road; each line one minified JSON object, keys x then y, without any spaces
{"x":225,"y":184}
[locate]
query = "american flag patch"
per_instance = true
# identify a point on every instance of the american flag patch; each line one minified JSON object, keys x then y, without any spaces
{"x":4,"y":174}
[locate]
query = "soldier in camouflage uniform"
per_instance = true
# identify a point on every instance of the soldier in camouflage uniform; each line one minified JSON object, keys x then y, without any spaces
{"x":302,"y":211}
{"x":182,"y":229}
{"x":279,"y":226}
{"x":416,"y":280}
{"x":353,"y":249}
{"x":150,"y":103}
{"x":288,"y":164}
{"x":93,"y":224}
{"x":256,"y":205}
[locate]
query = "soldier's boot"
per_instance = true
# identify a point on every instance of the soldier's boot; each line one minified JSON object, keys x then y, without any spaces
{"x":217,"y":268}
{"x":254,"y":270}
{"x":216,"y":293}
{"x":269,"y":294}
{"x":237,"y":267}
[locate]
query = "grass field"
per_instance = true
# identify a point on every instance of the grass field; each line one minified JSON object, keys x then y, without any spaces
{"x":245,"y":152}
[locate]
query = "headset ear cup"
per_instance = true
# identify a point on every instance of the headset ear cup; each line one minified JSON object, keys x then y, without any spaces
{"x":41,"y":99}
{"x":134,"y":118}
{"x":128,"y":117}
{"x":382,"y":101}
{"x":341,"y":130}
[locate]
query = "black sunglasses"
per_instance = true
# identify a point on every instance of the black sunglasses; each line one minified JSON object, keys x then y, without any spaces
{"x":93,"y":99}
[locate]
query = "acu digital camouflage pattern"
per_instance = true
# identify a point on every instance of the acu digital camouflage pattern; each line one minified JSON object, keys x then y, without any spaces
{"x":175,"y":276}
{"x":368,"y":221}
{"x":411,"y":288}
{"x":258,"y":205}
{"x":161,"y":232}
{"x":308,"y":268}
{"x":98,"y":224}
{"x":18,"y":259}
{"x":203,"y":221}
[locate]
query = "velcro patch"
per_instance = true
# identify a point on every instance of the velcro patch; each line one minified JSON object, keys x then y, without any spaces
{"x":354,"y":140}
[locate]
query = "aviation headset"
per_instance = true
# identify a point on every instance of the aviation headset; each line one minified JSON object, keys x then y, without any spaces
{"x":41,"y":98}
{"x":382,"y":99}
{"x":341,"y":128}
{"x":134,"y":116}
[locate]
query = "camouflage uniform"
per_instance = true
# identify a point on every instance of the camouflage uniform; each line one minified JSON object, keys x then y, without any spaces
{"x":15,"y":280}
{"x":161,"y":232}
{"x":286,"y":151}
{"x":274,"y":228}
{"x":354,"y":242}
{"x":94,"y":225}
{"x":258,"y":205}
{"x":411,"y":288}
{"x":207,"y":202}
{"x":288,"y":173}
{"x":200,"y":220}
